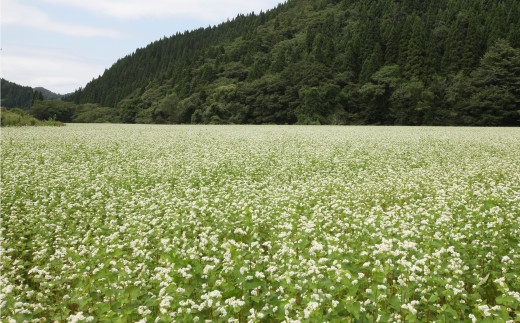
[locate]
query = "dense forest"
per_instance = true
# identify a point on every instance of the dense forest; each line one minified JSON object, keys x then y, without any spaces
{"x":15,"y":96}
{"x":409,"y":62}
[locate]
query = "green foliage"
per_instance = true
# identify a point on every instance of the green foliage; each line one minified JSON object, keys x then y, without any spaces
{"x":375,"y":95}
{"x":52,"y":109}
{"x":92,"y":113}
{"x":321,"y":105}
{"x":128,"y":109}
{"x":276,"y":59}
{"x":406,"y":103}
{"x":17,"y":117}
{"x":167,"y":110}
{"x":70,"y":112}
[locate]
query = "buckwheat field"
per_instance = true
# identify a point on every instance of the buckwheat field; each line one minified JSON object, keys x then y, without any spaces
{"x":127,"y":223}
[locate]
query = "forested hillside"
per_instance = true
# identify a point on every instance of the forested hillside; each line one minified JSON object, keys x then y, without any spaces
{"x":15,"y":96}
{"x":411,"y":62}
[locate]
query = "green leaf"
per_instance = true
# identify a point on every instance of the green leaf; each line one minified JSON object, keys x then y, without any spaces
{"x":135,"y":291}
{"x":152,"y":302}
{"x":128,"y":311}
{"x":505,"y":300}
{"x":395,"y":303}
{"x":353,"y":290}
{"x":348,"y":267}
{"x":450,"y":310}
{"x":252,"y":284}
{"x":434,"y":298}
{"x":356,"y":309}
{"x":385,"y":317}
{"x":325,"y":284}
{"x":378,"y":277}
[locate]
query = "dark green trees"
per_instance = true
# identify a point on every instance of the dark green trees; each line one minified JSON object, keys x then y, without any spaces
{"x":495,"y":88}
{"x":53,"y":109}
{"x":37,"y":96}
{"x":375,"y":95}
{"x":15,"y":96}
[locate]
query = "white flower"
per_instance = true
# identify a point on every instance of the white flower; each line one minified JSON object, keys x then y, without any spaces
{"x":79,"y":317}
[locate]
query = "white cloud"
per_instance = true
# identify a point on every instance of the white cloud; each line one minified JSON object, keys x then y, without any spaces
{"x":14,"y":13}
{"x":210,"y":10}
{"x":51,"y":68}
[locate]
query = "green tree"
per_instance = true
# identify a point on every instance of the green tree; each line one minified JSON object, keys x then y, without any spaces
{"x":255,"y":71}
{"x":408,"y":104}
{"x":279,"y":62}
{"x":37,"y":96}
{"x":196,"y":117}
{"x":415,"y":64}
{"x":53,"y":109}
{"x":392,"y":45}
{"x":455,"y":44}
{"x":310,"y":111}
{"x":188,"y":107}
{"x":323,"y":104}
{"x":472,"y":46}
{"x":168,"y":110}
{"x":128,"y":109}
{"x":285,"y":74}
{"x":375,"y":95}
{"x":495,"y":97}
{"x":372,"y":64}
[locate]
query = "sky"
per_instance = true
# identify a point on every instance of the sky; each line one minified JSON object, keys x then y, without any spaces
{"x":61,"y":45}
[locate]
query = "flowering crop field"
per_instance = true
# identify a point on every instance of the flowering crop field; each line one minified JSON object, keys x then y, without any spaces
{"x":129,"y":223}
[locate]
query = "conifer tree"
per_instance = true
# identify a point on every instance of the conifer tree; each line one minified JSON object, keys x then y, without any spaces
{"x":415,"y":64}
{"x":472,"y":47}
{"x":372,"y":64}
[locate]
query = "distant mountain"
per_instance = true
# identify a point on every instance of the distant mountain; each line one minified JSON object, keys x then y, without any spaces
{"x":48,"y":95}
{"x":410,"y":62}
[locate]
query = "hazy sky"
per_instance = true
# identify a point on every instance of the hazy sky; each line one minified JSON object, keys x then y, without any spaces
{"x":63,"y":44}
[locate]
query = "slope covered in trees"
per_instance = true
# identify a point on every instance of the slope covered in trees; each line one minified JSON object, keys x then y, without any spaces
{"x":15,"y":96}
{"x":435,"y":62}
